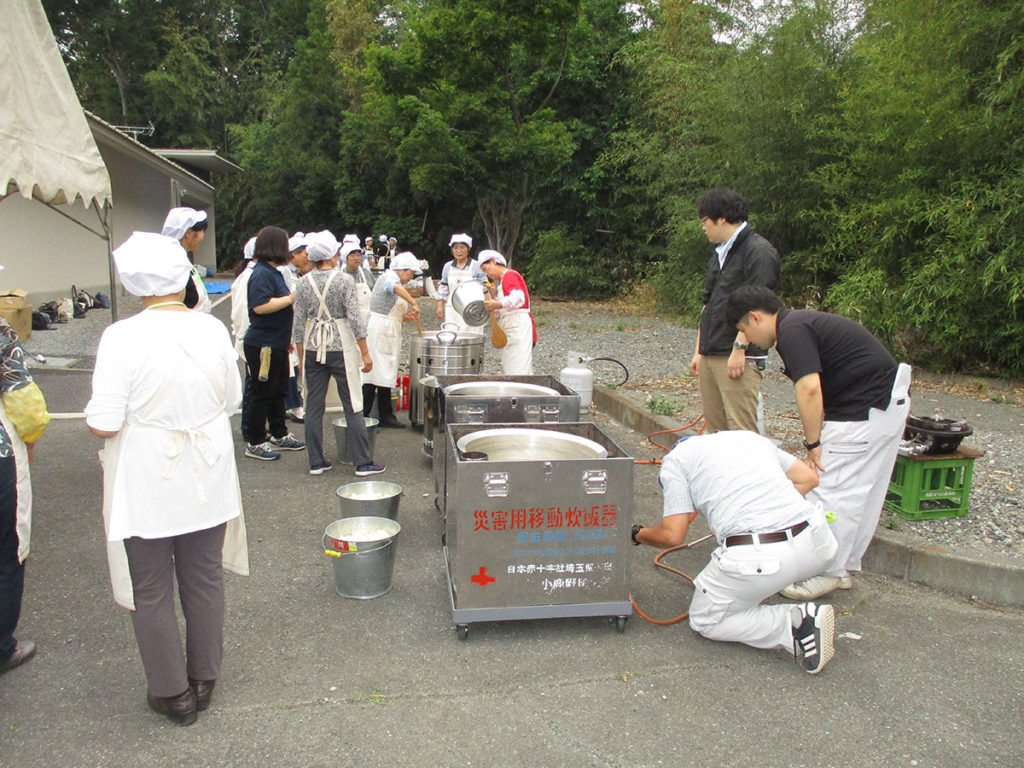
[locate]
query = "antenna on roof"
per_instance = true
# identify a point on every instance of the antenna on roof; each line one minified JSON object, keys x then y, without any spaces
{"x":136,"y":130}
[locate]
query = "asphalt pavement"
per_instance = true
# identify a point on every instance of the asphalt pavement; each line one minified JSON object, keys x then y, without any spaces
{"x":921,"y":678}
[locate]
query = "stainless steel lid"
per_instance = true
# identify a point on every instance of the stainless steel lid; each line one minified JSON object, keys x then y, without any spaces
{"x":499,"y":389}
{"x":523,"y":444}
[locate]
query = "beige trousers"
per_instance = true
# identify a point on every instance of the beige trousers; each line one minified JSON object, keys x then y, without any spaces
{"x":728,"y":403}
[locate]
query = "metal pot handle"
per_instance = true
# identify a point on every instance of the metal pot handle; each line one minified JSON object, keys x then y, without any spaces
{"x":448,"y":331}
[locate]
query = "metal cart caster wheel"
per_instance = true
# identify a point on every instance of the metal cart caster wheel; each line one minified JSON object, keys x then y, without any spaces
{"x":620,"y":623}
{"x":462,"y":630}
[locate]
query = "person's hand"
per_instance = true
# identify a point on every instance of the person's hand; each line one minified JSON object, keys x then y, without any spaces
{"x":415,"y":313}
{"x":440,"y":310}
{"x":814,"y":460}
{"x":695,"y":364}
{"x":736,"y":363}
{"x":367,"y":363}
{"x":31,"y":448}
{"x":633,"y":532}
{"x":492,"y":304}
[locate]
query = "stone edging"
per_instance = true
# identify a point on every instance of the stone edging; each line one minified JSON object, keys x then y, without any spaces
{"x":992,"y":578}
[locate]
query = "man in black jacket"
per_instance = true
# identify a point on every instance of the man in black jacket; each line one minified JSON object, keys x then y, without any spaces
{"x":728,"y":367}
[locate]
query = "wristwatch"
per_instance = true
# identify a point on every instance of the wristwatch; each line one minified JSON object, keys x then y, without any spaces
{"x":635,"y":530}
{"x":812,"y":446}
{"x":738,"y":345}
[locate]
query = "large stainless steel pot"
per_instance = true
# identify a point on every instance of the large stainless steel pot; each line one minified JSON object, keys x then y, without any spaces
{"x":443,"y":352}
{"x":527,"y":444}
{"x":500,"y":389}
{"x":468,"y":300}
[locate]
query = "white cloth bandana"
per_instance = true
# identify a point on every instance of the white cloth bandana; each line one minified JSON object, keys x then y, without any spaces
{"x":181,"y":220}
{"x":152,"y":265}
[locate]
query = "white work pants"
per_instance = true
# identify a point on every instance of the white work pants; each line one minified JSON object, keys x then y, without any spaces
{"x":858,"y":458}
{"x":728,"y":592}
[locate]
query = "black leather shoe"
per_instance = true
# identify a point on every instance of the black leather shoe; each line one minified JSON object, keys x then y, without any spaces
{"x":203,"y":689}
{"x":392,"y":424}
{"x":23,"y":651}
{"x":181,"y":709}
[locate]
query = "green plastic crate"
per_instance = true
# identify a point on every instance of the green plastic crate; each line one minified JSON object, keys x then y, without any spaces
{"x":929,"y":487}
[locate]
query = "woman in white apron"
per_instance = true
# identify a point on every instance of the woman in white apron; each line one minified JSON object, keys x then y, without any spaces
{"x":390,"y":305}
{"x":188,"y":227}
{"x":511,"y":303}
{"x":23,"y":419}
{"x":330,"y":337}
{"x":362,"y":275}
{"x":460,"y":269}
{"x":164,"y":386}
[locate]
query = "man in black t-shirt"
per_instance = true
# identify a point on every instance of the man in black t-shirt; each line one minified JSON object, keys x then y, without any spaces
{"x":853,"y":400}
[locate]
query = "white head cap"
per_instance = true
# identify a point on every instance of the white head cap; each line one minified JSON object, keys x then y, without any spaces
{"x":350,"y":239}
{"x":349,"y":246}
{"x":484,"y":256}
{"x":181,"y":220}
{"x":406,"y":260}
{"x":383,"y":238}
{"x":249,"y":249}
{"x":297,"y":242}
{"x":321,"y":246}
{"x":461,"y":237}
{"x":152,"y":265}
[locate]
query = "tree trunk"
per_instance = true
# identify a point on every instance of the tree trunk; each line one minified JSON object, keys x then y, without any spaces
{"x":503,"y":218}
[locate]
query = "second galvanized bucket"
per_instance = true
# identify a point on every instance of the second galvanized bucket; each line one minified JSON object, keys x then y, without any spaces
{"x":363,"y":550}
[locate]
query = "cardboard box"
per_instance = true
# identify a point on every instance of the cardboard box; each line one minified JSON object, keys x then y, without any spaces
{"x":16,"y":311}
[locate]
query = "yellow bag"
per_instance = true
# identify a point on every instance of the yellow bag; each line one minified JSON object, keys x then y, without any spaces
{"x":26,"y":408}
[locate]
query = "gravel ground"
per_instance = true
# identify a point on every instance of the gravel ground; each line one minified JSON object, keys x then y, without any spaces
{"x":657,"y":353}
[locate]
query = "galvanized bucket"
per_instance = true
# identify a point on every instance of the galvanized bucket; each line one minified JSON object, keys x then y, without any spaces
{"x":363,"y":550}
{"x":341,"y":437}
{"x":370,"y":498}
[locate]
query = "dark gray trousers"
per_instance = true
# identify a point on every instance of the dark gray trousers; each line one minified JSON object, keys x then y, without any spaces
{"x":195,"y":558}
{"x":318,"y":376}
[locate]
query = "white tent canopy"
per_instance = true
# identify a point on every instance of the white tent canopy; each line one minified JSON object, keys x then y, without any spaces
{"x":46,"y":148}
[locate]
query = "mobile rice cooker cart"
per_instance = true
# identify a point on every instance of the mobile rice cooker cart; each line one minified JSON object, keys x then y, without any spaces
{"x":538,"y":523}
{"x":481,"y":399}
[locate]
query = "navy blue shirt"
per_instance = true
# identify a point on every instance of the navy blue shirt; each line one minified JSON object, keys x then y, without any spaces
{"x":272,"y":330}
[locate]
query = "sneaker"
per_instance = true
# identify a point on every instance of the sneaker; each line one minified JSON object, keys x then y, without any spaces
{"x":814,"y":636}
{"x":816,"y":586}
{"x":369,"y":469}
{"x":263,"y":452}
{"x":287,"y":443}
{"x":23,"y":651}
{"x":319,"y":469}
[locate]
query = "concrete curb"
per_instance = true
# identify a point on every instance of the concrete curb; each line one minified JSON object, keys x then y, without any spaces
{"x":990,"y":578}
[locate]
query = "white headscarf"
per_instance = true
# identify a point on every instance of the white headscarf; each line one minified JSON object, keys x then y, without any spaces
{"x":152,"y":265}
{"x":321,"y":246}
{"x":181,"y":220}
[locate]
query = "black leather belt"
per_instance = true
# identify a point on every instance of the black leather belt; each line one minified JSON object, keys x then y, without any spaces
{"x":765,"y":538}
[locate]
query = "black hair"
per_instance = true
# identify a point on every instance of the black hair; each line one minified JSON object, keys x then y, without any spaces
{"x":723,"y":203}
{"x":199,"y":226}
{"x":747,"y":298}
{"x":271,"y":245}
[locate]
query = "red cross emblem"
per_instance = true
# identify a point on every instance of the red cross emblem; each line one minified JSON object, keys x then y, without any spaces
{"x":482,"y":578}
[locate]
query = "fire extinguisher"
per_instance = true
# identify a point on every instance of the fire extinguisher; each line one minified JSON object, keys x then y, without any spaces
{"x":402,"y":387}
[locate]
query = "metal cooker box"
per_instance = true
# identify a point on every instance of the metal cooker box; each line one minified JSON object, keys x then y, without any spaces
{"x":537,"y":533}
{"x":482,"y":399}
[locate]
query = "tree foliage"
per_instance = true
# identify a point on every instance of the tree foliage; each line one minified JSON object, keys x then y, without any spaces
{"x":878,"y":142}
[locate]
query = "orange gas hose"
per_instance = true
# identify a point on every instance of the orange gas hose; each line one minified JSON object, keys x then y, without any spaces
{"x":657,"y":558}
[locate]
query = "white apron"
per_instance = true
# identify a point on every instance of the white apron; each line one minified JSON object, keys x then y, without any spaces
{"x":363,"y":292}
{"x":319,"y":335}
{"x":517,"y":354}
{"x":23,"y":515}
{"x":456,"y":277}
{"x":203,"y":304}
{"x":384,"y":338}
{"x":235,"y":554}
